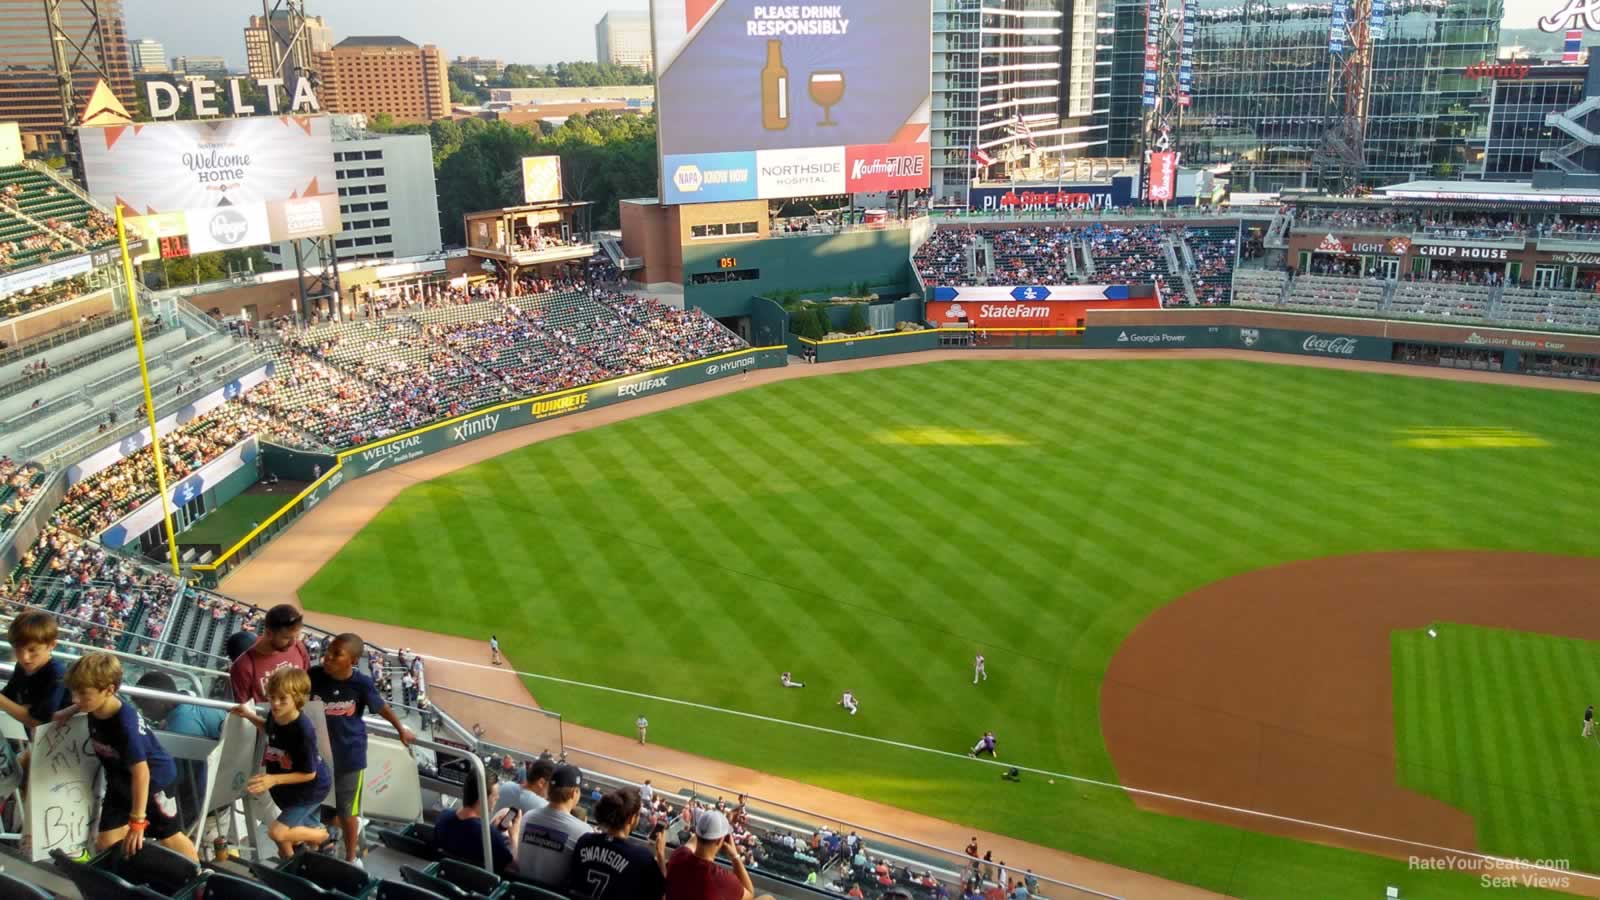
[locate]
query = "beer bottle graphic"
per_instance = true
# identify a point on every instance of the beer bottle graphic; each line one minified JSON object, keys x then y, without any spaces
{"x":775,"y":90}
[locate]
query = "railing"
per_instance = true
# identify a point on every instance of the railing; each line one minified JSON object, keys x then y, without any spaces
{"x":951,"y":865}
{"x":42,"y":343}
{"x":1176,"y":213}
{"x":374,"y":725}
{"x":78,"y":449}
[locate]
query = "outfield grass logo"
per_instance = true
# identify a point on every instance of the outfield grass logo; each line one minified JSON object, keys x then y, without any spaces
{"x":1332,"y":346}
{"x":544,"y":409}
{"x":399,"y":451}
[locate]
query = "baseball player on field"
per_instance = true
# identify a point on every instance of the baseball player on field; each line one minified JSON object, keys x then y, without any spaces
{"x":985,"y":745}
{"x":787,"y":681}
{"x":1588,"y":721}
{"x":848,"y":701}
{"x":978,"y":671}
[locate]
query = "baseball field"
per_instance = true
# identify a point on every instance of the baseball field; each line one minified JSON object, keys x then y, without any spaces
{"x":1337,"y":597}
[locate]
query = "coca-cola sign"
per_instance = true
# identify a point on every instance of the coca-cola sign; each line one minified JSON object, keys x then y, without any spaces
{"x":1332,"y":346}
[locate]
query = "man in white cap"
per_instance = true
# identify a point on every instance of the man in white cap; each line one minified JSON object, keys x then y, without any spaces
{"x":693,"y":873}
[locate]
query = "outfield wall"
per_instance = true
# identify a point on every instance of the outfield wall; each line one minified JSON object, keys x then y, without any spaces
{"x":403,"y":448}
{"x":1554,"y":354}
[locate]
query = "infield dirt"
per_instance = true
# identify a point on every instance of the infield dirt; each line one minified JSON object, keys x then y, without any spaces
{"x":1248,"y":767}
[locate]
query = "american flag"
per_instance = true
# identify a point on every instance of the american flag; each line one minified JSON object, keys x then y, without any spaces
{"x":1020,"y":129}
{"x":980,"y":157}
{"x":1573,"y":46}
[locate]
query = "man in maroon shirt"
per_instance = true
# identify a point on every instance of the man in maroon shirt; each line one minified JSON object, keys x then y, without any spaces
{"x":278,"y":647}
{"x":693,"y":873}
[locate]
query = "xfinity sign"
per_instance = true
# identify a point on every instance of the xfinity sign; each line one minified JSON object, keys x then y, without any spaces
{"x":165,"y":98}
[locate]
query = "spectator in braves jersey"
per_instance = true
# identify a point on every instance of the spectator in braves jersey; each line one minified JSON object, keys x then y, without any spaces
{"x":137,"y":770}
{"x":278,"y":647}
{"x":608,"y":866}
{"x":347,"y":695}
{"x":296,"y":776}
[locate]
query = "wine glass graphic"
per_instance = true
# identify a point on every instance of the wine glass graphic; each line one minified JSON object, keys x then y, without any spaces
{"x":827,"y":89}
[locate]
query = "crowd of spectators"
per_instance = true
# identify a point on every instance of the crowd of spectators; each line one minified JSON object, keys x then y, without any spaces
{"x":1033,"y":254}
{"x":1130,"y":254}
{"x":101,"y":598}
{"x":19,"y":484}
{"x":108,"y":495}
{"x":942,"y":258}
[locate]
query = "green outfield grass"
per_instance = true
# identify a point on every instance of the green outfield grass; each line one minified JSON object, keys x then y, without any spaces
{"x":1503,"y":740}
{"x":872,"y":531}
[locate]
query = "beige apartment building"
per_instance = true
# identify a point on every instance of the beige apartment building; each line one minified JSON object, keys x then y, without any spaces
{"x":385,"y":74}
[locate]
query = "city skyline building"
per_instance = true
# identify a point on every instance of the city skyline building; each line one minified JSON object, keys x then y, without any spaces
{"x":1020,"y":80}
{"x":385,"y":74}
{"x":315,"y":38}
{"x":147,"y":56}
{"x":623,"y":39}
{"x":1266,"y":93}
{"x":29,"y":93}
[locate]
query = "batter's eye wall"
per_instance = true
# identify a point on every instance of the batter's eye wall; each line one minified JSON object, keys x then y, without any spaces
{"x":1338,"y":337}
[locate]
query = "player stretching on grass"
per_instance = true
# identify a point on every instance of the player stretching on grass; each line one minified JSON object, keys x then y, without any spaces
{"x":978,"y":671}
{"x":790,"y":682}
{"x":985,"y":745}
{"x":848,"y":701}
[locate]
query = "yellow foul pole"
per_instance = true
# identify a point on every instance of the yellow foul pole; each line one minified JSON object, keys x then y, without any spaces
{"x":149,"y":401}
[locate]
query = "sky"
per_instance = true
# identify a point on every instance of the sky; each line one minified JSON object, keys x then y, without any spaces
{"x":526,"y":31}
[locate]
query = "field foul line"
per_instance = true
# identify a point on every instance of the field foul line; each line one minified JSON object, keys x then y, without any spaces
{"x":1518,"y":863}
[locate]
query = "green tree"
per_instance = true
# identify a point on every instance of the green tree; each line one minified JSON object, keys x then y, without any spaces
{"x":857,"y":322}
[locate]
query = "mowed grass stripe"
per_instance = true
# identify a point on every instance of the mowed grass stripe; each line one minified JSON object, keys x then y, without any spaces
{"x":882,"y":567}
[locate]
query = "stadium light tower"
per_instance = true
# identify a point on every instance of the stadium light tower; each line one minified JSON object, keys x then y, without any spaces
{"x":81,"y":45}
{"x":289,"y":50}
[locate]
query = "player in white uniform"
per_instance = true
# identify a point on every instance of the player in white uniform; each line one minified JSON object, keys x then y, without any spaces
{"x":978,"y":671}
{"x":790,"y":682}
{"x":848,"y":701}
{"x":643,"y":725}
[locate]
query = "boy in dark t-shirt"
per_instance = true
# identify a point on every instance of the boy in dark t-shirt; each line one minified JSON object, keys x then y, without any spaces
{"x":295,"y":774}
{"x":138,"y":771}
{"x":347,"y":695}
{"x":38,"y":687}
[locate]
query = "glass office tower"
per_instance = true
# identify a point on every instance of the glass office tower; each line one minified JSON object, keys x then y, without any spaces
{"x":1265,"y":90}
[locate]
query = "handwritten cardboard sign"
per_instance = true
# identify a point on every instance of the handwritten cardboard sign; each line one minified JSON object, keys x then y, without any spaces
{"x":61,"y":790}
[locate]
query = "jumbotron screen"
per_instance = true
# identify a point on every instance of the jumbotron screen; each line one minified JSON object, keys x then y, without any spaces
{"x":237,"y":182}
{"x":762,"y":100}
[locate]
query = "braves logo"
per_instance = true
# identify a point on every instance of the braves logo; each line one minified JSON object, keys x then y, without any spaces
{"x":1578,"y":14}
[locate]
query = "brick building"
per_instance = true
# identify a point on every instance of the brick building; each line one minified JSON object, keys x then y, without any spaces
{"x":385,"y":74}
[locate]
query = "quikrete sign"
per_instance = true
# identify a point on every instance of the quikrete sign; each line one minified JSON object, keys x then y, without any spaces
{"x":165,"y":98}
{"x":1502,"y":71}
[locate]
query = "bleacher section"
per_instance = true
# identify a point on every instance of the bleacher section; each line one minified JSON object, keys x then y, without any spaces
{"x":1361,"y":296}
{"x":942,"y":258}
{"x":1430,"y":300}
{"x":43,"y":220}
{"x":105,"y":599}
{"x":1544,"y":309}
{"x":1215,"y":250}
{"x":1259,"y":287}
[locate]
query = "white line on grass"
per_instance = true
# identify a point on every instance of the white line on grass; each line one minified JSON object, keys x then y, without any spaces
{"x":1519,"y":863}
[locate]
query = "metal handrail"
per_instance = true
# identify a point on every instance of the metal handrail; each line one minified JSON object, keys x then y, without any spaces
{"x":814,"y":815}
{"x":381,"y":726}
